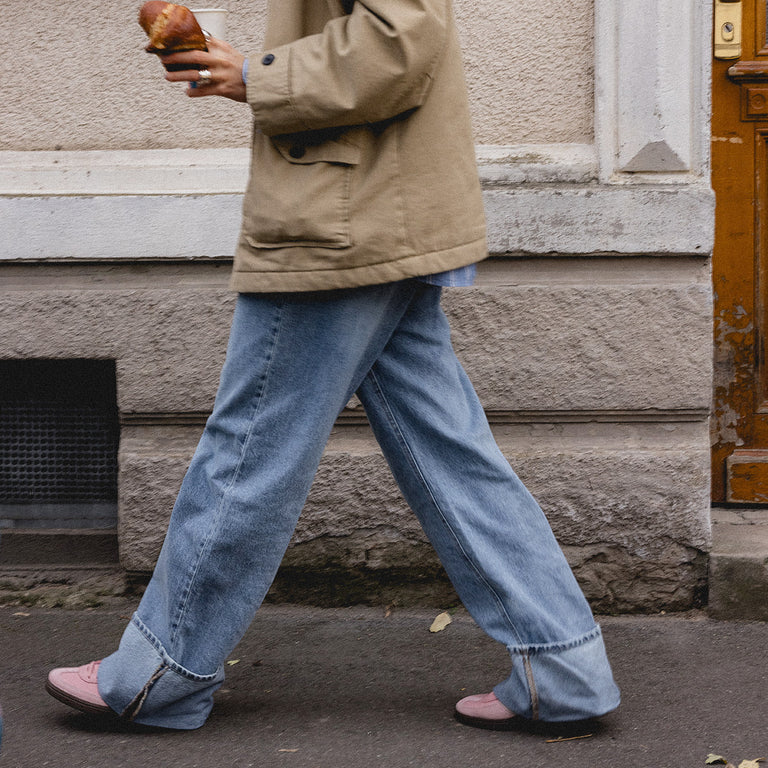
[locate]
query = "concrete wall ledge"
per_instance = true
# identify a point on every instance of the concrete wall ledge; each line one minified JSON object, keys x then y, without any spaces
{"x":540,"y":199}
{"x":600,"y":219}
{"x":225,"y":171}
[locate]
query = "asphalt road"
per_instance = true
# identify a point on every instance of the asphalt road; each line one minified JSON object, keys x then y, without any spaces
{"x":353,"y":688}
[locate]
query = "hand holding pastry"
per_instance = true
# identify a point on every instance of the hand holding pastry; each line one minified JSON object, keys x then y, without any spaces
{"x":211,"y":66}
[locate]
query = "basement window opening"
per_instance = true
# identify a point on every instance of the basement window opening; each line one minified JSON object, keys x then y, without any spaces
{"x":59,"y":434}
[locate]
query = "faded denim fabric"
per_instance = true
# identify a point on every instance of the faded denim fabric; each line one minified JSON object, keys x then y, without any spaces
{"x":461,"y":277}
{"x":292,"y":364}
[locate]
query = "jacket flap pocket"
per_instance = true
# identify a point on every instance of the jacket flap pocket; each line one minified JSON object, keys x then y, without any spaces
{"x":340,"y":152}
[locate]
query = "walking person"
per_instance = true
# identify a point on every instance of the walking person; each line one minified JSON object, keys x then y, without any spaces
{"x":363,"y":201}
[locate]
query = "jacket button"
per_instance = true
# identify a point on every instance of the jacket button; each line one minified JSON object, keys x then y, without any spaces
{"x":268,"y":59}
{"x":297,"y":152}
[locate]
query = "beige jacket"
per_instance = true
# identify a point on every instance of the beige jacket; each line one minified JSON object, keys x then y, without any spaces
{"x":363,"y":167}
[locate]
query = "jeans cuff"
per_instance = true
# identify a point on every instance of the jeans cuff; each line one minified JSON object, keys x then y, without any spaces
{"x":142,"y":683}
{"x":559,"y":682}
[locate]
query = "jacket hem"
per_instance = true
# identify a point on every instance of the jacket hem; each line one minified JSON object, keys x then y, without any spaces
{"x":417,"y":265}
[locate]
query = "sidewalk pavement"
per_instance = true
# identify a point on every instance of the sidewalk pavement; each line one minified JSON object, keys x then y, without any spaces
{"x":310,"y":688}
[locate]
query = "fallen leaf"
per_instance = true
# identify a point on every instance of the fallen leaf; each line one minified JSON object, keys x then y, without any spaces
{"x":751,"y":763}
{"x":232,"y":662}
{"x":715,"y":760}
{"x":287,"y":750}
{"x":19,"y":613}
{"x":441,"y":622}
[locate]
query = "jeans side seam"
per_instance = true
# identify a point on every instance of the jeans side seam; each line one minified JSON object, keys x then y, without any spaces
{"x":277,"y":324}
{"x":131,"y":711}
{"x":414,"y":464}
{"x":531,"y":687}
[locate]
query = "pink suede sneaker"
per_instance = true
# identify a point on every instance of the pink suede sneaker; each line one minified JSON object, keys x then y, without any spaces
{"x":77,"y":687}
{"x":484,"y":710}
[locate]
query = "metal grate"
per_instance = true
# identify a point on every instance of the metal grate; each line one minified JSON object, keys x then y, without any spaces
{"x":58,"y":432}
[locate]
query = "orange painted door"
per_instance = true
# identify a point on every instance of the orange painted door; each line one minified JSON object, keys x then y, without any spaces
{"x":740,"y":265}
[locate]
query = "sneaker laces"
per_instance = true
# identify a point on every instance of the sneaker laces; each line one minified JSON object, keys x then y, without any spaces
{"x":90,"y":671}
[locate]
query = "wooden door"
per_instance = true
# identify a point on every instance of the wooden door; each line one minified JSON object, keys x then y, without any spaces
{"x":740,"y":265}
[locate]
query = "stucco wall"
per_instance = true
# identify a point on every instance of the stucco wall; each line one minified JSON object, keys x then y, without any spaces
{"x":76,"y":76}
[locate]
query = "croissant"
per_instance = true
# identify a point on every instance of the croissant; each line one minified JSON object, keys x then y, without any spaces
{"x":171,"y":28}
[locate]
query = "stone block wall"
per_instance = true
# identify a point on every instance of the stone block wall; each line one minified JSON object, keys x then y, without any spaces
{"x":590,"y":371}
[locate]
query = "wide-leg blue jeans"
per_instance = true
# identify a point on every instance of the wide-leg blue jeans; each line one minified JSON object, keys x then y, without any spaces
{"x":293,"y":362}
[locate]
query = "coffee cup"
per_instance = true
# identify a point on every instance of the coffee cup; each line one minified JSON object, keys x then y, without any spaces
{"x":213,"y":21}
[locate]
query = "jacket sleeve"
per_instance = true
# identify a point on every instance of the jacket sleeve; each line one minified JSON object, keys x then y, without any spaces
{"x":371,"y":65}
